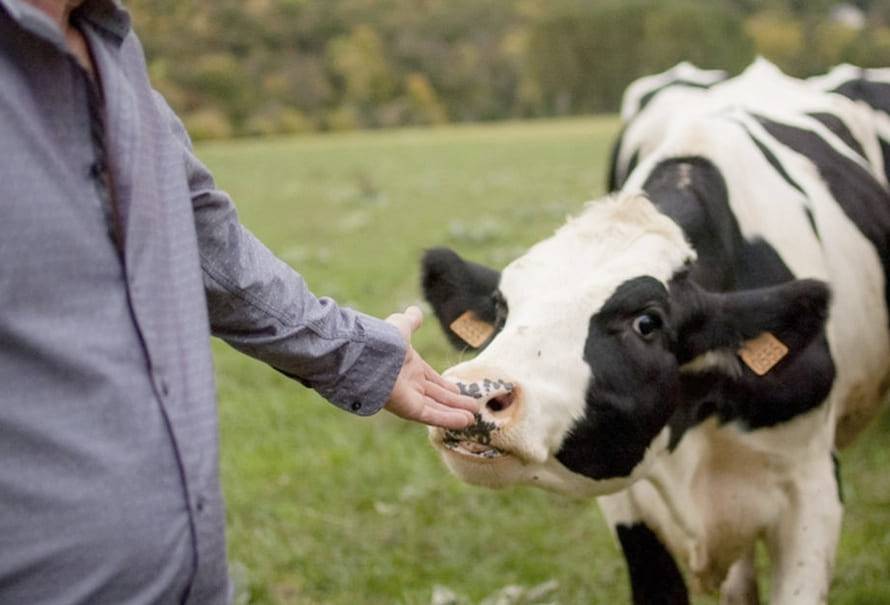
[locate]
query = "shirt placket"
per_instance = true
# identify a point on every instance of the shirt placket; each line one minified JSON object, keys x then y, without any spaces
{"x":99,"y":172}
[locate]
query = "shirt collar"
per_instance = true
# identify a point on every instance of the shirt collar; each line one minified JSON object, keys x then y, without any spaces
{"x":108,"y":15}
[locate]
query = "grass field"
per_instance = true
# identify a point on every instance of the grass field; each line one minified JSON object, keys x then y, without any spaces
{"x":327,"y":508}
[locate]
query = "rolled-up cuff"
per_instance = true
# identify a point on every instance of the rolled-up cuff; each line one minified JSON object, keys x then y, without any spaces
{"x":365,"y":388}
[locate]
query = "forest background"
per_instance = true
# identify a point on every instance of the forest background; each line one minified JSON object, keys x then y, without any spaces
{"x":263,"y":67}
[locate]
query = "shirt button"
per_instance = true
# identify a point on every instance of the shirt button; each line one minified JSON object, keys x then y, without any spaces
{"x":199,"y":504}
{"x":165,"y":388}
{"x":96,"y":170}
{"x":356,"y":406}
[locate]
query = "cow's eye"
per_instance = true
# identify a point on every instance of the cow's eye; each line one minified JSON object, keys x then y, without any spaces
{"x":647,"y":324}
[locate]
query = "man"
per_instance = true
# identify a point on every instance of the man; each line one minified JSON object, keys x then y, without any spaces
{"x":119,"y":257}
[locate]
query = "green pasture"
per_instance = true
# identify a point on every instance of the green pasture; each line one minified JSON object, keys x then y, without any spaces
{"x":328,"y":508}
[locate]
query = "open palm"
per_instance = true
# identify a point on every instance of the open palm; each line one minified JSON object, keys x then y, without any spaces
{"x":420,"y":393}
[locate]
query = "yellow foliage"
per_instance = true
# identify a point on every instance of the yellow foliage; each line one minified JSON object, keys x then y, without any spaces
{"x":777,"y":36}
{"x":343,"y":118}
{"x":424,"y":101}
{"x":360,"y":59}
{"x":294,"y":121}
{"x":829,"y":42}
{"x":208,"y":123}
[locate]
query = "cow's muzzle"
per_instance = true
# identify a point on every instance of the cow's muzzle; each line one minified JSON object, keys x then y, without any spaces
{"x":475,"y":440}
{"x":499,"y":409}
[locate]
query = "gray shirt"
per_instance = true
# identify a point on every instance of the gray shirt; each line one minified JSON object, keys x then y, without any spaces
{"x":118,"y":259}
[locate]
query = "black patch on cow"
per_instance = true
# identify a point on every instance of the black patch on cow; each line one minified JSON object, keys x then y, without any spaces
{"x":618,"y":174}
{"x":637,"y":387}
{"x":612,"y":182}
{"x":836,"y":463}
{"x":647,"y":98}
{"x":655,"y":578}
{"x":453,"y":286}
{"x":794,"y":387}
{"x":875,"y":94}
{"x":480,"y":432}
{"x":629,"y":398}
{"x":794,"y":312}
{"x":693,"y":193}
{"x":863,"y":199}
{"x":772,"y":159}
{"x":839,"y":129}
{"x":885,"y":153}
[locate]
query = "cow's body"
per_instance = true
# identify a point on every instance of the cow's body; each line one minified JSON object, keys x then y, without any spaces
{"x":805,"y":176}
{"x":768,"y":180}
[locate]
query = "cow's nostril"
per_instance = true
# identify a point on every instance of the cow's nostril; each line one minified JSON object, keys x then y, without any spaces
{"x":500,"y":402}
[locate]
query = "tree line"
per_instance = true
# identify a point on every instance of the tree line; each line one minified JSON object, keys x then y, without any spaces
{"x":258,"y":67}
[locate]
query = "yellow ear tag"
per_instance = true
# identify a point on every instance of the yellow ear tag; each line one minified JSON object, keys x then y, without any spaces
{"x":761,"y":354}
{"x":471,"y":329}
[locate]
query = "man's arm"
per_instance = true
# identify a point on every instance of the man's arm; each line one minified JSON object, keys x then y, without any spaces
{"x":262,"y":307}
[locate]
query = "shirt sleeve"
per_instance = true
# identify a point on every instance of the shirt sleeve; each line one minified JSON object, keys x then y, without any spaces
{"x":263,"y":307}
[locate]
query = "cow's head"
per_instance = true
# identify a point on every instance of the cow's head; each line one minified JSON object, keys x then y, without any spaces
{"x":600,"y":338}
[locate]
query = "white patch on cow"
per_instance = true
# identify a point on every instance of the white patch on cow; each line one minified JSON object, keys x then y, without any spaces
{"x":725,"y":487}
{"x":669,"y":96}
{"x":845,"y":72}
{"x":763,"y":89}
{"x":682,"y":72}
{"x":725,"y":362}
{"x":644,"y":133}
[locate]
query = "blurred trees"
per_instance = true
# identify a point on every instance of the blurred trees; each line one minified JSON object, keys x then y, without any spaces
{"x":234,"y":67}
{"x":582,"y":54}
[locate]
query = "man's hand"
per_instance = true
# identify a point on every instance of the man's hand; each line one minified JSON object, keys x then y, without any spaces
{"x":420,"y":393}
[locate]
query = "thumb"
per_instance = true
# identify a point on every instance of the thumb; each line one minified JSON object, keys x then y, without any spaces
{"x":415,"y":317}
{"x":407,"y":322}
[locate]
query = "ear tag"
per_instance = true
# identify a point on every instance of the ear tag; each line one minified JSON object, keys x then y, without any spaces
{"x":762,"y":353}
{"x":471,"y":329}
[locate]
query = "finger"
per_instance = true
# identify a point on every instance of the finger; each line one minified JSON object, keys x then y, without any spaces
{"x":433,"y":376}
{"x":451,"y":399}
{"x":457,"y":399}
{"x":402,"y":324}
{"x":447,"y":418}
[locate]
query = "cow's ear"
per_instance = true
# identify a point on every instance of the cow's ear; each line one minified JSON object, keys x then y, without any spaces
{"x":460,"y":289}
{"x":762,"y":326}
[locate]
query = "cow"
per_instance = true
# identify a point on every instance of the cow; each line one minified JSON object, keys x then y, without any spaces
{"x":693,"y":348}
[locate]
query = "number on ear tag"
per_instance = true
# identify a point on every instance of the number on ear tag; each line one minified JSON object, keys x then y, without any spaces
{"x":471,"y":329}
{"x":761,"y":354}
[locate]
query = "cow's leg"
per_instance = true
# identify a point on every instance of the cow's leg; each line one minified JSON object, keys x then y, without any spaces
{"x":655,"y":578}
{"x":803,"y":542}
{"x":740,"y":585}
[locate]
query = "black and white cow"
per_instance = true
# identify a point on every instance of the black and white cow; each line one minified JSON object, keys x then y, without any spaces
{"x":692,"y":348}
